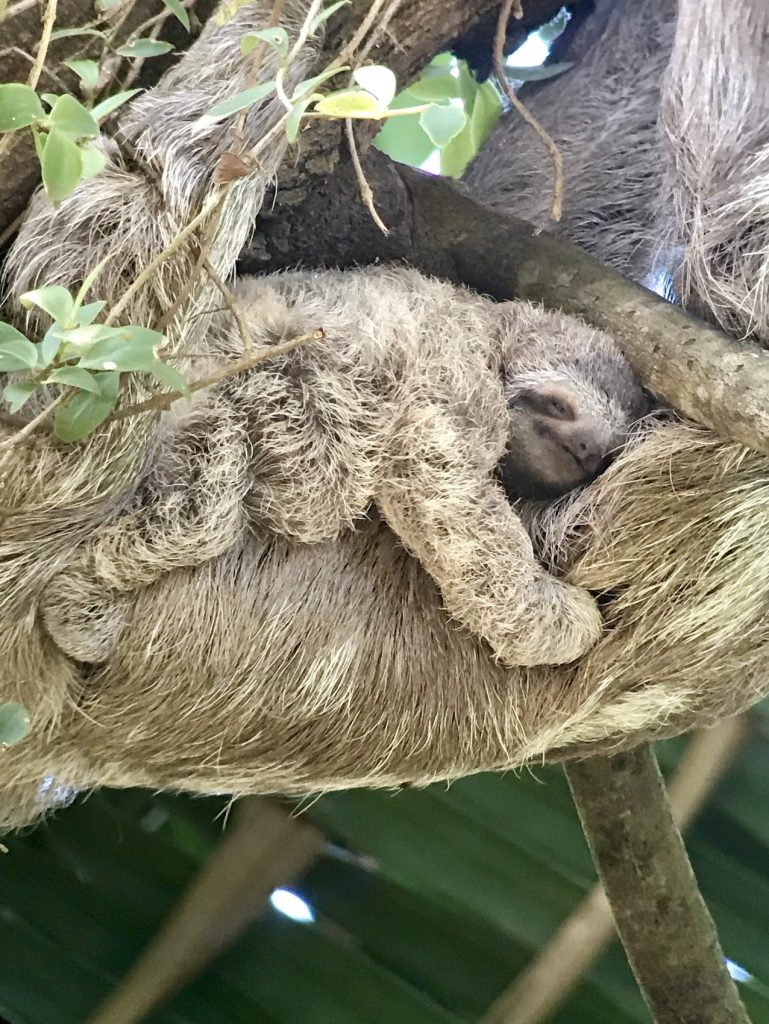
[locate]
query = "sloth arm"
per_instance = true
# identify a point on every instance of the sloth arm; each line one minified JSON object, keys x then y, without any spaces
{"x":450,"y":512}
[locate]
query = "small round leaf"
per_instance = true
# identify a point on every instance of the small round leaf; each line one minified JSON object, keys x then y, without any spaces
{"x":19,"y":106}
{"x":62,"y":166}
{"x":379,"y":81}
{"x":72,"y":119}
{"x":14,"y":723}
{"x":144,"y":48}
{"x":351,"y":103}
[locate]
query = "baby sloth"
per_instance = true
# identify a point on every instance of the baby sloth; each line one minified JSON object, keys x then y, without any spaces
{"x":428,"y":402}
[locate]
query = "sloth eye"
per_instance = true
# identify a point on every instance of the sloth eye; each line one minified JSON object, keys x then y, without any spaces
{"x":556,"y":407}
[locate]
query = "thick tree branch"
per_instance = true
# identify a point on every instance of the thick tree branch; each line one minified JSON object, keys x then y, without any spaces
{"x":440,"y":229}
{"x":550,"y":977}
{"x":661,"y":918}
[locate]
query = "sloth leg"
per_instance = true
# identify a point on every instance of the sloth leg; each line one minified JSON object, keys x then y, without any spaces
{"x":451,"y":514}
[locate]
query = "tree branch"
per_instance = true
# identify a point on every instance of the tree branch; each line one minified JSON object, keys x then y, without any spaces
{"x":265,"y":848}
{"x":661,"y":918}
{"x":551,"y":976}
{"x":440,"y":229}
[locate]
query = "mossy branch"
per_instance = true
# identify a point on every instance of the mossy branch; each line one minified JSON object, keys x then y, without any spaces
{"x":661,"y":918}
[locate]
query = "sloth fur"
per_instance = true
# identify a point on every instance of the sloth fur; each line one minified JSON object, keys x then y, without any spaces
{"x":273,"y":665}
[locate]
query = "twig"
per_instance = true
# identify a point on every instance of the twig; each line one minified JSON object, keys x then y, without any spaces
{"x":348,"y":51}
{"x":499,"y":70}
{"x":256,"y":64}
{"x":49,"y":17}
{"x":365,"y":189}
{"x":158,"y":260}
{"x":661,"y":917}
{"x":12,"y":228}
{"x":232,"y":305}
{"x":231,"y":370}
{"x":381,"y":28}
{"x":19,"y":8}
{"x":156,"y":25}
{"x":36,"y":421}
{"x":547,"y":981}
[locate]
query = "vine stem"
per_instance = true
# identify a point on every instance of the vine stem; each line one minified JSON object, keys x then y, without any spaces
{"x":505,"y":10}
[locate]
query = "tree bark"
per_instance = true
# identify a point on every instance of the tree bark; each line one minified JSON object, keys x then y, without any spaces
{"x":549,"y":979}
{"x":661,"y":918}
{"x":437,"y":227}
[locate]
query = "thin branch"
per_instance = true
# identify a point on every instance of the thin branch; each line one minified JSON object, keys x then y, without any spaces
{"x":225,"y":373}
{"x":155,"y":25}
{"x":49,"y":17}
{"x":8,"y":141}
{"x":661,"y":917}
{"x":552,"y":975}
{"x":499,"y":70}
{"x":19,"y":8}
{"x":234,"y":308}
{"x":158,"y":261}
{"x":256,"y":64}
{"x":36,"y":421}
{"x":365,"y":189}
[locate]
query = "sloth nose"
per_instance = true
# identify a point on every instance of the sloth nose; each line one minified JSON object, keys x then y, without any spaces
{"x":590,"y":456}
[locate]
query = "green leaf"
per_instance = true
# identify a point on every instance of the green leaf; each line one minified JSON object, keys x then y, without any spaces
{"x":65,"y":33}
{"x":442,"y":123}
{"x":241,"y":100}
{"x":85,"y":411}
{"x":71,"y":118}
{"x":101,"y":110}
{"x":62,"y":166}
{"x":355,"y":103}
{"x":86,"y":70}
{"x":144,"y":48}
{"x":14,"y":723}
{"x":94,"y":161}
{"x":49,"y":97}
{"x":19,"y":107}
{"x":179,"y":11}
{"x":16,"y":393}
{"x":168,"y":375}
{"x":539,"y":73}
{"x":124,"y":348}
{"x":88,"y":281}
{"x":75,"y":377}
{"x":437,"y":87}
{"x":325,"y":14}
{"x":49,"y":346}
{"x":88,"y":313}
{"x":457,"y":153}
{"x":276,"y":38}
{"x":309,"y":85}
{"x":80,"y":340}
{"x":293,"y":120}
{"x":53,"y":299}
{"x":16,"y":351}
{"x":403,"y":138}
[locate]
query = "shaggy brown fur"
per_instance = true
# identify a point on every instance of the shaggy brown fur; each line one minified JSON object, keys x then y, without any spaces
{"x":279,"y":666}
{"x":602,"y":113}
{"x":409,"y":403}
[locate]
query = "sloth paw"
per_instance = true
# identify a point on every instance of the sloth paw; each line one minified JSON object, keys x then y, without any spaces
{"x":561,"y":623}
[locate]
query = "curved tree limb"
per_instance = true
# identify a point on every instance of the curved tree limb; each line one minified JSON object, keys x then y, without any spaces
{"x":661,"y":918}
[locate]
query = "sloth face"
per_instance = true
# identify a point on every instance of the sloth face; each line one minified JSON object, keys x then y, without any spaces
{"x":564,"y":431}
